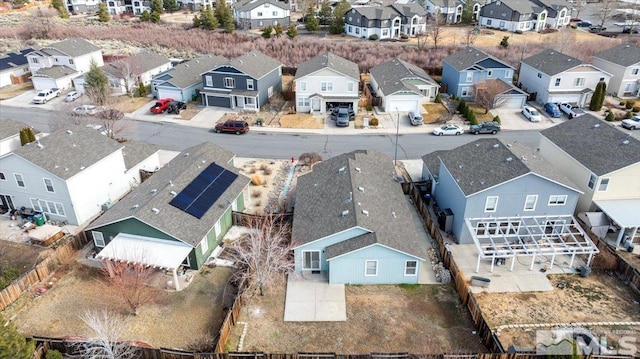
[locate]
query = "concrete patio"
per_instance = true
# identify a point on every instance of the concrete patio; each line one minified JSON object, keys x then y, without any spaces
{"x":310,"y":298}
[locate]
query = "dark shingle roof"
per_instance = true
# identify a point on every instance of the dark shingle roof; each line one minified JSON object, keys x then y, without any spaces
{"x":331,"y":61}
{"x":67,"y":152}
{"x":137,"y":64}
{"x":378,"y":13}
{"x":410,"y":9}
{"x":175,"y":176}
{"x":255,"y":64}
{"x":189,"y":73}
{"x":467,"y":57}
{"x":248,"y":5}
{"x":552,"y":62}
{"x":624,"y":55}
{"x":432,"y":161}
{"x":10,"y":60}
{"x":10,"y":128}
{"x":135,"y":152}
{"x":353,"y":182}
{"x":595,"y":144}
{"x":56,"y":72}
{"x":72,"y":47}
{"x":390,"y":74}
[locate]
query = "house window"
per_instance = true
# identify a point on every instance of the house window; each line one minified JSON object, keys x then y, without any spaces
{"x":260,"y":13}
{"x":634,"y":71}
{"x":522,"y":25}
{"x":601,"y":79}
{"x":275,"y":22}
{"x":579,"y":81}
{"x":47,"y":206}
{"x":557,"y":200}
{"x":229,"y":82}
{"x":251,"y":101}
{"x":604,"y":183}
{"x":592,"y":181}
{"x":303,"y":102}
{"x":311,"y":260}
{"x":558,"y":82}
{"x":530,"y":202}
{"x":370,"y":268}
{"x":489,"y":73}
{"x":350,"y":87}
{"x":469,"y":76}
{"x":357,"y":30}
{"x":385,"y":32}
{"x":326,"y":86}
{"x":410,"y":268}
{"x":260,"y":23}
{"x":204,"y":245}
{"x":350,"y":29}
{"x":489,"y":22}
{"x":70,"y":61}
{"x":502,"y":24}
{"x":508,"y":74}
{"x":249,"y":84}
{"x":349,"y":18}
{"x":19,"y":180}
{"x":2,"y":177}
{"x":539,"y":75}
{"x":98,"y":239}
{"x":270,"y":92}
{"x":274,"y":13}
{"x":303,"y":86}
{"x":34,"y":60}
{"x":216,"y":227}
{"x":465,"y":91}
{"x":208,"y":81}
{"x":56,"y":59}
{"x":36,"y":204}
{"x":48,"y":184}
{"x":491,"y":204}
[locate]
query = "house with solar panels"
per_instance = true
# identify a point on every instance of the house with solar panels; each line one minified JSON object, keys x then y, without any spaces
{"x":177,"y":217}
{"x":14,"y":67}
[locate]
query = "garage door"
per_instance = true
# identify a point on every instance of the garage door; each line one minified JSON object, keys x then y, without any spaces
{"x":513,"y":102}
{"x":401,"y":105}
{"x":43,"y":83}
{"x":564,"y":98}
{"x":176,"y":95}
{"x":219,"y":101}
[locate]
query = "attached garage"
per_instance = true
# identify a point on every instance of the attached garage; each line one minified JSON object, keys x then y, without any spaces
{"x":218,"y":101}
{"x":512,"y":101}
{"x":402,"y":103}
{"x":571,"y":98}
{"x":43,"y":83}
{"x":175,"y":94}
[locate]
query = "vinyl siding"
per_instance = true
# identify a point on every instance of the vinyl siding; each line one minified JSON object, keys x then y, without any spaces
{"x":350,"y":268}
{"x":449,"y":195}
{"x":320,"y":245}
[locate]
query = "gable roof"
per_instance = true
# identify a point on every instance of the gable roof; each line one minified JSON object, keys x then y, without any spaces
{"x":56,"y":72}
{"x":522,"y":6}
{"x":624,"y":55}
{"x":248,"y":5}
{"x":355,"y":182}
{"x":446,"y":3}
{"x":135,"y":152}
{"x":500,"y":85}
{"x":555,"y":4}
{"x":432,"y":162}
{"x":67,"y":152}
{"x":330,"y":61}
{"x":9,"y":60}
{"x":175,"y":176}
{"x":10,"y":128}
{"x":488,"y":162}
{"x":410,"y":9}
{"x":552,"y":62}
{"x":255,"y":64}
{"x":190,"y":72}
{"x":390,"y":75}
{"x":604,"y":152}
{"x":467,"y":57}
{"x":136,"y":65}
{"x":72,"y":47}
{"x":377,"y":12}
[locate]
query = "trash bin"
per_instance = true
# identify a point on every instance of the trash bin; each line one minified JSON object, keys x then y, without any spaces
{"x":427,"y":198}
{"x":38,"y":219}
{"x":259,"y":122}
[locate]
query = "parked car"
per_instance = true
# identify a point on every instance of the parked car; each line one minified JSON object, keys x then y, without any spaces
{"x":552,"y":109}
{"x":45,"y":96}
{"x":531,"y":114}
{"x":570,"y":109}
{"x":597,"y":28}
{"x":89,"y":110}
{"x":161,"y":105}
{"x":448,"y":130}
{"x":232,"y":126}
{"x":491,"y":127}
{"x":628,"y":30}
{"x":72,"y":96}
{"x":415,"y":117}
{"x":584,"y":23}
{"x":632,"y":123}
{"x":342,"y":117}
{"x":335,"y":110}
{"x":176,"y":106}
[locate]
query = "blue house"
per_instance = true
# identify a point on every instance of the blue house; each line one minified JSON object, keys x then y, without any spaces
{"x":352,"y":220}
{"x":183,"y":81}
{"x":490,"y":178}
{"x":469,"y":67}
{"x":243,"y":83}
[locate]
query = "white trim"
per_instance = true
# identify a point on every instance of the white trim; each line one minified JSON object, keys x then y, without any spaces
{"x":333,"y":234}
{"x":376,"y":267}
{"x":98,"y":237}
{"x":535,"y":202}
{"x":53,"y":190}
{"x":15,"y":176}
{"x":204,"y":245}
{"x":377,"y":244}
{"x":406,"y":267}
{"x":606,"y":186}
{"x":557,"y":202}
{"x":302,"y":267}
{"x":495,"y":206}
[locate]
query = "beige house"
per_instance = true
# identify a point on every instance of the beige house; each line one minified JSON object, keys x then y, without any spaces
{"x":604,"y":162}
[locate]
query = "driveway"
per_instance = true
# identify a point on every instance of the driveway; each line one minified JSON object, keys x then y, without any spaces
{"x":513,"y":119}
{"x":310,"y":298}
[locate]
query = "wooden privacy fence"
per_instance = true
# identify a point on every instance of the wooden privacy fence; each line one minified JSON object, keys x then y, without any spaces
{"x":65,"y":250}
{"x":244,"y":219}
{"x":229,"y":321}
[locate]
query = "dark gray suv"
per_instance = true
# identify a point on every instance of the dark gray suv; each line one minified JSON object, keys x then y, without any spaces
{"x":342,"y":117}
{"x":491,"y":127}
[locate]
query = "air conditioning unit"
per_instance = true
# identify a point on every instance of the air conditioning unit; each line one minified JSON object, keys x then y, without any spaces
{"x":107,"y":205}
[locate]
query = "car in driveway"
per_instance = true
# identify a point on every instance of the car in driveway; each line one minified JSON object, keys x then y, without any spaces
{"x":176,"y":107}
{"x":349,"y":110}
{"x":584,"y":23}
{"x":72,"y":96}
{"x":531,"y":114}
{"x":161,"y":105}
{"x":88,"y":110}
{"x":632,"y":123}
{"x":45,"y":96}
{"x":342,"y":117}
{"x":597,"y":28}
{"x":552,"y":109}
{"x":232,"y":126}
{"x":415,"y":117}
{"x":446,"y":130}
{"x":491,"y":127}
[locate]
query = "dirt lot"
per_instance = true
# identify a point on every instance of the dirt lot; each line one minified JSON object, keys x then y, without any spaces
{"x":414,"y":319}
{"x":597,"y":298}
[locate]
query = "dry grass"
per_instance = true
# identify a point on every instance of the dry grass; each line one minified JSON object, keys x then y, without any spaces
{"x":12,"y":91}
{"x":301,"y":120}
{"x":190,"y":112}
{"x":127,"y":104}
{"x":481,"y":116}
{"x":434,"y":111}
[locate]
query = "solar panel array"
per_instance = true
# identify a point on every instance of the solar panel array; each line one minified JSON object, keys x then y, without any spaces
{"x":204,"y":190}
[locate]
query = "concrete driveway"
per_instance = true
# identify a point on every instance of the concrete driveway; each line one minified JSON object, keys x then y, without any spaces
{"x":513,"y":119}
{"x":310,"y":298}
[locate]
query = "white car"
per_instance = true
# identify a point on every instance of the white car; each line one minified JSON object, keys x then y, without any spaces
{"x":45,"y":96}
{"x":531,"y":114}
{"x":632,"y":123}
{"x":72,"y":96}
{"x":448,"y":130}
{"x":85,"y":110}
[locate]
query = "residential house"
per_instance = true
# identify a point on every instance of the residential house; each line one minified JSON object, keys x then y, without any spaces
{"x":604,"y":163}
{"x":82,"y":6}
{"x":514,"y":15}
{"x":10,"y":135}
{"x":14,"y":67}
{"x":178,"y":216}
{"x":128,"y":73}
{"x":130,"y":7}
{"x":243,"y":83}
{"x":623,"y":63}
{"x":451,"y":10}
{"x":184,"y":81}
{"x":352,"y":220}
{"x":496,"y":178}
{"x":326,"y":81}
{"x":388,"y":22}
{"x":70,"y":175}
{"x":256,"y":14}
{"x":58,"y":64}
{"x":195,"y":5}
{"x":555,"y":77}
{"x":558,"y":13}
{"x":465,"y":69}
{"x":402,"y":86}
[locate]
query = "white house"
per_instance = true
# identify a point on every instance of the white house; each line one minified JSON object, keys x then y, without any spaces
{"x":525,"y":15}
{"x":386,"y":22}
{"x":82,"y":6}
{"x":13,"y":67}
{"x":10,"y":135}
{"x":556,"y":77}
{"x":130,"y":72}
{"x":135,"y":7}
{"x":71,"y":175}
{"x":326,"y":81}
{"x":451,"y":10}
{"x":194,"y":5}
{"x":623,"y":62}
{"x":58,"y":64}
{"x":402,"y":86}
{"x":256,"y":14}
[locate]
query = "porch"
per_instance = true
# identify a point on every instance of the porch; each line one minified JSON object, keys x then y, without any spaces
{"x":310,"y":298}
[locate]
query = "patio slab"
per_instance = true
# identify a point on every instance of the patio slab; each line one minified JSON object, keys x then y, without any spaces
{"x":313,"y":300}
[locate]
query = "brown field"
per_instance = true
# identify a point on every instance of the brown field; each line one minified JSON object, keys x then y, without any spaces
{"x":434,"y":111}
{"x":301,"y":120}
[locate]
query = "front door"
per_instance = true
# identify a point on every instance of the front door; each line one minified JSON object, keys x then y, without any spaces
{"x":315,"y":104}
{"x":311,"y":260}
{"x":7,"y":202}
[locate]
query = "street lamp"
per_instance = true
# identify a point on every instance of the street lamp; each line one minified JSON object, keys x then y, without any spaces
{"x":395,"y":156}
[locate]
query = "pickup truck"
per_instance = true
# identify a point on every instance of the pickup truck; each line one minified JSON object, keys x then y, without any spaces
{"x":161,"y":105}
{"x":45,"y":96}
{"x":571,"y":110}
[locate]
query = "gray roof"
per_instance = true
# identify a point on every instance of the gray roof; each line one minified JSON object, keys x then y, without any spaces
{"x":67,"y":152}
{"x":410,"y":9}
{"x":72,"y":47}
{"x":10,"y":128}
{"x":135,"y":152}
{"x":377,"y":12}
{"x":432,"y":161}
{"x":624,"y":55}
{"x":389,"y":76}
{"x":552,"y":62}
{"x":255,"y":64}
{"x":189,"y":73}
{"x":446,"y":3}
{"x":467,"y":57}
{"x":489,"y":162}
{"x":175,"y":176}
{"x":331,"y":61}
{"x":595,"y":144}
{"x":522,"y":6}
{"x":137,"y":64}
{"x":326,"y":192}
{"x":248,"y":5}
{"x":56,"y":72}
{"x":556,"y":4}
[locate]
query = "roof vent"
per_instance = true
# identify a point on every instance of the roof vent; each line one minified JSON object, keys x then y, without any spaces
{"x":173,"y":193}
{"x":358,"y":169}
{"x":155,"y":210}
{"x":341,"y":169}
{"x":135,"y":206}
{"x":186,"y":154}
{"x":361,"y":189}
{"x":496,"y":145}
{"x":625,"y":142}
{"x":39,"y":145}
{"x":509,"y":159}
{"x":69,"y":132}
{"x":365,"y":212}
{"x":153,"y":191}
{"x":171,"y":183}
{"x":345,"y":213}
{"x":596,"y":125}
{"x":82,"y":167}
{"x":394,"y":214}
{"x":523,"y":158}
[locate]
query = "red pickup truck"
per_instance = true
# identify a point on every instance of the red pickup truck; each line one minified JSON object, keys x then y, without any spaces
{"x":161,"y":105}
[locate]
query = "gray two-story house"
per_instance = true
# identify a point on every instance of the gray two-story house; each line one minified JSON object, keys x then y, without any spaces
{"x":387,"y":22}
{"x":513,"y":15}
{"x":243,"y":83}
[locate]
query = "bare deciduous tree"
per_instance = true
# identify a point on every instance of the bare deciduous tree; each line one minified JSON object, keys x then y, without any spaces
{"x":128,"y":281}
{"x":471,"y":35}
{"x":263,"y":254}
{"x":105,"y":342}
{"x":487,"y":94}
{"x":564,"y":39}
{"x":127,"y":69}
{"x":435,"y":24}
{"x":309,"y":158}
{"x":42,"y":22}
{"x":110,"y":121}
{"x":605,"y":10}
{"x":421,"y":38}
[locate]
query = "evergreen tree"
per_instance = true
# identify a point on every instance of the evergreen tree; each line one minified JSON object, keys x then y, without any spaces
{"x":196,"y":20}
{"x":208,"y":18}
{"x":170,"y":5}
{"x":610,"y":117}
{"x":325,"y":15}
{"x":12,"y":344}
{"x":278,"y":30}
{"x":266,"y":32}
{"x":505,"y":42}
{"x":145,"y":16}
{"x":292,"y":31}
{"x":97,"y":84}
{"x":27,"y":136}
{"x":312,"y":24}
{"x":467,"y":12}
{"x":597,"y":100}
{"x":23,"y":137}
{"x":224,"y":16}
{"x":154,"y":17}
{"x":59,"y":6}
{"x":103,"y":13}
{"x":337,"y":20}
{"x":156,"y":6}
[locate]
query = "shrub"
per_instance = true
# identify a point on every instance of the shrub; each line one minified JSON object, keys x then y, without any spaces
{"x":505,"y":42}
{"x":369,"y":107}
{"x":629,"y":104}
{"x":610,"y":117}
{"x":373,"y":122}
{"x":622,"y":103}
{"x":461,"y":105}
{"x":519,"y":32}
{"x":472,"y":118}
{"x":256,"y":193}
{"x":628,"y":114}
{"x":257,"y":179}
{"x":636,"y":109}
{"x":404,"y":36}
{"x":53,"y":354}
{"x":497,"y":119}
{"x":264,"y":166}
{"x":373,"y":37}
{"x":267,"y":171}
{"x":438,"y":98}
